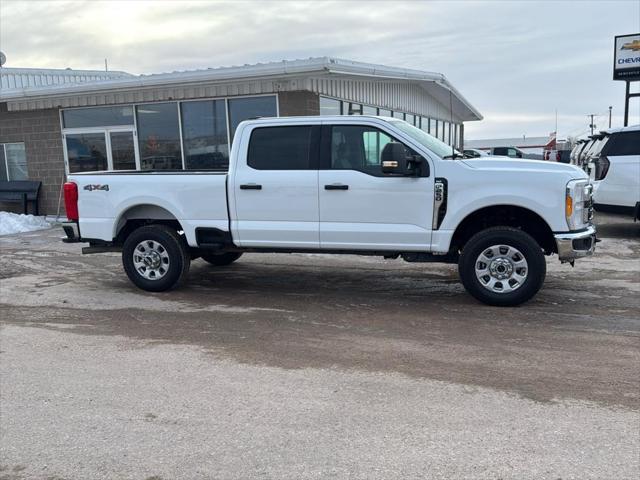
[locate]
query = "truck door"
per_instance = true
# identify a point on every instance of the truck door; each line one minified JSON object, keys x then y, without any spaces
{"x":275,"y":188}
{"x":362,"y":208}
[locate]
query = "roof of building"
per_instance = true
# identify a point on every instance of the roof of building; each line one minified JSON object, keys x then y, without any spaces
{"x":436,"y":84}
{"x":526,"y":142}
{"x":17,"y":79}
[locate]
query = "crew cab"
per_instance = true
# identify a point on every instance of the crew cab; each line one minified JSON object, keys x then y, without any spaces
{"x":344,"y":185}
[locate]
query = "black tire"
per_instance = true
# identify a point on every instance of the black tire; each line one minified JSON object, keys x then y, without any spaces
{"x":177,"y":254}
{"x":481,"y":242}
{"x":221,"y":259}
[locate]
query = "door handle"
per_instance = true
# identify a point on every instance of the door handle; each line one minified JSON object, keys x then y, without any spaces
{"x":336,"y":186}
{"x":250,"y":186}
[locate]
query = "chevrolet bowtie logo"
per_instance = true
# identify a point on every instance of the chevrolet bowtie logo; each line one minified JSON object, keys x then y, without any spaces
{"x":96,"y":187}
{"x":635,"y":46}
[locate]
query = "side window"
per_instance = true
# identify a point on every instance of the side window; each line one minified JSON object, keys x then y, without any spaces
{"x":360,"y":148}
{"x":500,"y":151}
{"x":281,"y":148}
{"x":512,"y":152}
{"x":624,"y":143}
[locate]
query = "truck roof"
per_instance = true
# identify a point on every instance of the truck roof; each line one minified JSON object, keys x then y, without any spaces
{"x":317,"y":118}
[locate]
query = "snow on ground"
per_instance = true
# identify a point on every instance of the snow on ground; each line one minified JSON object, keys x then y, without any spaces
{"x":17,"y":223}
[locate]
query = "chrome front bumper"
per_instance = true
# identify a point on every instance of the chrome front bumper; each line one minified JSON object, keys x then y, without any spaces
{"x":574,"y":245}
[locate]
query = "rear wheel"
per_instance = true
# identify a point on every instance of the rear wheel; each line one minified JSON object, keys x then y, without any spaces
{"x":221,"y":259}
{"x":155,"y":258}
{"x":502,"y":266}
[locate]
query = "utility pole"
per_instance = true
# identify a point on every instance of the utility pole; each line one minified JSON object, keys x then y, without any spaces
{"x":610,"y":108}
{"x":591,"y":125}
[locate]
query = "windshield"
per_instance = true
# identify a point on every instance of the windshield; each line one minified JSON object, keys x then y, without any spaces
{"x":431,"y":143}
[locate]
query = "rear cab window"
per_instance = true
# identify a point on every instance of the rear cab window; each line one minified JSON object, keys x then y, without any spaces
{"x":500,"y":151}
{"x":292,"y":147}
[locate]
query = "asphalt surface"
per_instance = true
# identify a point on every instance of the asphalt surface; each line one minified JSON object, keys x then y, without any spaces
{"x":316,"y":366}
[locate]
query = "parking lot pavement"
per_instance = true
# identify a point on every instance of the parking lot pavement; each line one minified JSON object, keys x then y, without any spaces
{"x":313,"y":366}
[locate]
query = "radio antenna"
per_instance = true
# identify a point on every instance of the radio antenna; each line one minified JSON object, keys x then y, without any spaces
{"x":453,"y":148}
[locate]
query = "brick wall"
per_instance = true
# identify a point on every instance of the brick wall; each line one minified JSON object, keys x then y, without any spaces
{"x":298,"y":103}
{"x":42,"y":137}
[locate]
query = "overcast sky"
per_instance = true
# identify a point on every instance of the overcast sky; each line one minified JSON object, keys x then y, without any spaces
{"x":515,"y":61}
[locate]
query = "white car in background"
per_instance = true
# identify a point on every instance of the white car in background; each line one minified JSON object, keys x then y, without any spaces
{"x":577,"y":151}
{"x":589,"y":151}
{"x":615,"y":168}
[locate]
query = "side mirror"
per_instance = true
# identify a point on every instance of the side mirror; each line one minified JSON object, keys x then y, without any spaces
{"x":398,"y":160}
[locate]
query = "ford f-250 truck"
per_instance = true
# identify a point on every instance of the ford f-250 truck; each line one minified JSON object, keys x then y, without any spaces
{"x":344,"y":185}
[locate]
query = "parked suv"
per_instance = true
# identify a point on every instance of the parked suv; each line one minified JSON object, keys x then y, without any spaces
{"x":577,"y":150}
{"x":615,"y":169}
{"x":587,"y":152}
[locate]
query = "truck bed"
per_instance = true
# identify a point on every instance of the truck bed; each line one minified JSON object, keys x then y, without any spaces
{"x":193,"y":198}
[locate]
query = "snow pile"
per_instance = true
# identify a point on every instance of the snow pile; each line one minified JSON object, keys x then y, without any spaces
{"x":17,"y":223}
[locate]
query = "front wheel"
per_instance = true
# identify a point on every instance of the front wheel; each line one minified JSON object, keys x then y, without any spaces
{"x":502,"y":266}
{"x":155,"y":258}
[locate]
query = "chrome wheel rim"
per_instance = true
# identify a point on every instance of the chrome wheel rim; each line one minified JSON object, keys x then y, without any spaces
{"x":501,"y":268}
{"x":151,"y":260}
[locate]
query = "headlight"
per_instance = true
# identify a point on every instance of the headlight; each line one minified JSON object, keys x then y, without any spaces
{"x":578,"y":204}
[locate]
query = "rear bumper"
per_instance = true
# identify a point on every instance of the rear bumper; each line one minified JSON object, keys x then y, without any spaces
{"x":574,"y":245}
{"x":72,"y":232}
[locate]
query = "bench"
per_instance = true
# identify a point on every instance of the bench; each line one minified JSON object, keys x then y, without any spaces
{"x":21,"y":191}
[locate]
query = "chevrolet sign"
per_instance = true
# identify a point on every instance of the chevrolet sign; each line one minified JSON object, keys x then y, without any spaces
{"x":626,"y":57}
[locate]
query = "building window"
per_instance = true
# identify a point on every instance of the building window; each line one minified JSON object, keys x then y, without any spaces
{"x":87,"y":152}
{"x":13,"y":162}
{"x":204,"y":135}
{"x":410,"y":119}
{"x":97,"y":117}
{"x":123,"y":150}
{"x":330,"y":106}
{"x":159,"y":136}
{"x":399,"y":115}
{"x":280,"y":148}
{"x":251,"y":107}
{"x":355,"y":109}
{"x":367,"y":110}
{"x":384,"y":113}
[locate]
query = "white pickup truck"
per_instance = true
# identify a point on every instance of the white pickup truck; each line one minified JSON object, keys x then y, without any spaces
{"x":344,"y":185}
